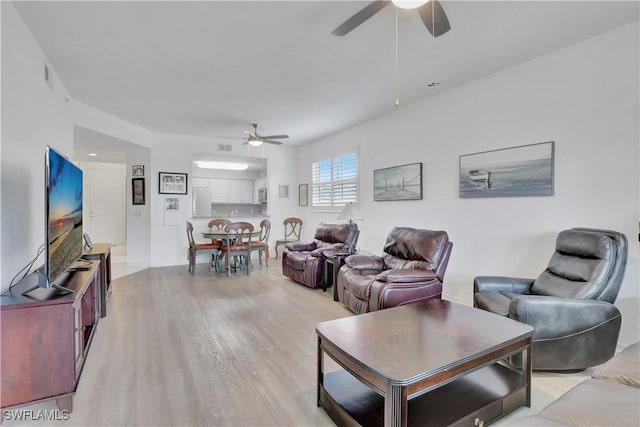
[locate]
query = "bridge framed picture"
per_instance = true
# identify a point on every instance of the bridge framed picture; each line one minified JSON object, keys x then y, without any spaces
{"x":402,"y":182}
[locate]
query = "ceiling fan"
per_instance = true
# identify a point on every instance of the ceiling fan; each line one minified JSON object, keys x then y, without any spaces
{"x":431,"y":12}
{"x":256,"y":140}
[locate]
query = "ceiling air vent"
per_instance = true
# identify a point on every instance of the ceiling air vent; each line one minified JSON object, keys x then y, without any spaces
{"x":48,"y":77}
{"x":224,"y":147}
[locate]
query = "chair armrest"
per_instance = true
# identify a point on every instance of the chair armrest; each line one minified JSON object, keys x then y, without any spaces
{"x":552,"y":317}
{"x":514,"y":285}
{"x":364,"y":262}
{"x":406,"y":276}
{"x":301,"y":246}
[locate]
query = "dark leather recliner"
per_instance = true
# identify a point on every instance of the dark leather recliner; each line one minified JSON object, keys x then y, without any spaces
{"x":570,"y":305}
{"x":303,"y":262}
{"x":411,"y":269}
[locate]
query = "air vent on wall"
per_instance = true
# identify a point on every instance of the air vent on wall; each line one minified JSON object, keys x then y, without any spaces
{"x":48,"y":77}
{"x":224,"y":147}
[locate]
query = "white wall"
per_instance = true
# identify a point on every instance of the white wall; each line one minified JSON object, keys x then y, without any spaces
{"x":33,"y":115}
{"x":585,"y":98}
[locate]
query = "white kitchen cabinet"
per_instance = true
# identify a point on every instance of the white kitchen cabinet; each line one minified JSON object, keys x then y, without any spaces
{"x":240,"y":191}
{"x":200,"y":182}
{"x":219,"y":190}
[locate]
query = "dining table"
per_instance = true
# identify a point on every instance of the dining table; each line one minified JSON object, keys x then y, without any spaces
{"x":222,"y":235}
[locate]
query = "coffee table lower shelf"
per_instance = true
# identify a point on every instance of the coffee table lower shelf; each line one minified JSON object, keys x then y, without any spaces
{"x":486,"y":394}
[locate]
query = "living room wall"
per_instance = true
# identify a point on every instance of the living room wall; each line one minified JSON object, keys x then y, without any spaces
{"x":584,"y":97}
{"x":33,"y":116}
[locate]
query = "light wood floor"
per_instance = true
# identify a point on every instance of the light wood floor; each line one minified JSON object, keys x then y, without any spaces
{"x":206,"y":350}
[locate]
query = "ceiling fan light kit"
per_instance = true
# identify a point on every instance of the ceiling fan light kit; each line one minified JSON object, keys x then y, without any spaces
{"x":254,"y":142}
{"x":409,"y":4}
{"x":431,"y":12}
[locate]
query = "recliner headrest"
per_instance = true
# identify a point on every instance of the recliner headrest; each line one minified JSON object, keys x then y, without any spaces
{"x":419,"y":245}
{"x":584,"y":244}
{"x":334,"y":233}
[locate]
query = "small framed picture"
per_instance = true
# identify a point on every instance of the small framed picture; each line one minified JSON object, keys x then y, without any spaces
{"x":137,"y":191}
{"x":172,"y":204}
{"x":137,"y":170}
{"x":172,"y":183}
{"x":303,"y":194}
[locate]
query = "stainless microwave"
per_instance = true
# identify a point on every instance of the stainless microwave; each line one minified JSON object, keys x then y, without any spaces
{"x":262,"y":194}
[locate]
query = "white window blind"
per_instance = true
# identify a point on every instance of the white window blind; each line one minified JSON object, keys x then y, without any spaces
{"x":335,"y":181}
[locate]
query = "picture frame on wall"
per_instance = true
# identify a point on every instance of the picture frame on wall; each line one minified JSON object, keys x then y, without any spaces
{"x":172,"y":183}
{"x":137,"y":170}
{"x":303,"y":194}
{"x":521,"y":171}
{"x":137,"y":191}
{"x":402,"y":182}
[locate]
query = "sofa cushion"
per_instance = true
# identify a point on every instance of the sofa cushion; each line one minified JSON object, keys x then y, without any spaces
{"x":331,"y":233}
{"x":597,"y":402}
{"x":624,"y":368}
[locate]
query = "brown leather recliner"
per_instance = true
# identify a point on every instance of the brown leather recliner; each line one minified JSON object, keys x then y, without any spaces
{"x":411,"y":269}
{"x":303,"y":262}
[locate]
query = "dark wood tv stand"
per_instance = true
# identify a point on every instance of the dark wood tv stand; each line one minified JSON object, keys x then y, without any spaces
{"x":101,"y":252}
{"x":45,"y":339}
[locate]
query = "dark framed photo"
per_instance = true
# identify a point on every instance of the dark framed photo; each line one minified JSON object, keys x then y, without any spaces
{"x":172,"y":183}
{"x":137,"y":191}
{"x":137,"y":170}
{"x":522,"y":171}
{"x":398,"y":183}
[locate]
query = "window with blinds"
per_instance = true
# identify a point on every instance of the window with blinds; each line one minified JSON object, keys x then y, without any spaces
{"x":335,"y":181}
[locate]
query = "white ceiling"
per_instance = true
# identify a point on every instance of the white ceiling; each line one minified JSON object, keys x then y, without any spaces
{"x":211,"y":68}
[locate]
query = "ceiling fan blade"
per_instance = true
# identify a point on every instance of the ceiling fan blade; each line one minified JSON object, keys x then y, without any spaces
{"x":276,"y":136}
{"x":357,"y":19}
{"x":438,"y":23}
{"x":271,"y":141}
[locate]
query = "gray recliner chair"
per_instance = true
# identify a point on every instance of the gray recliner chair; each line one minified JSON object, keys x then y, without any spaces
{"x":570,"y":305}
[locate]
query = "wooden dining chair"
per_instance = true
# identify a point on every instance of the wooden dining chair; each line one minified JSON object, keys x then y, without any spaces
{"x":217,"y":224}
{"x":292,"y":231}
{"x":198,"y":248}
{"x":262,"y":244}
{"x":237,"y":245}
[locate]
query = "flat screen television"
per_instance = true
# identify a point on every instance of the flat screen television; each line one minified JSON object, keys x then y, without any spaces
{"x":63,"y":220}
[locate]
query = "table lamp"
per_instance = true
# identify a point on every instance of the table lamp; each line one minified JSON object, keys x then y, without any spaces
{"x":351,"y":212}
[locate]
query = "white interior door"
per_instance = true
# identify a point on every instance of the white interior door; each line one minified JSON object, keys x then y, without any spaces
{"x":106,"y":213}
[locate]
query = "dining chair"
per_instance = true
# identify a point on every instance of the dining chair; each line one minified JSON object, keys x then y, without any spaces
{"x":217,"y":224}
{"x":237,"y":244}
{"x":262,"y":245}
{"x":198,"y":248}
{"x":292,"y":231}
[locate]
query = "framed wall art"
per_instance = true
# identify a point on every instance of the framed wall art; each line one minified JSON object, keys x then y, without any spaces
{"x":137,"y":191}
{"x":303,"y":194}
{"x":137,"y":170}
{"x":172,"y":183}
{"x":398,"y":183}
{"x":522,"y":171}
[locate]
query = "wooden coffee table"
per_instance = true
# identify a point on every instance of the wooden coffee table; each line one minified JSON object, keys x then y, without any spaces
{"x":434,"y":363}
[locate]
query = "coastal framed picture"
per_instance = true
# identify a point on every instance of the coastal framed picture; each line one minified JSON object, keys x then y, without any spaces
{"x":398,"y":183}
{"x":522,"y":171}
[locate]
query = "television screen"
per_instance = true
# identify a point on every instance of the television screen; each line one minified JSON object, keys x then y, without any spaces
{"x":64,"y":214}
